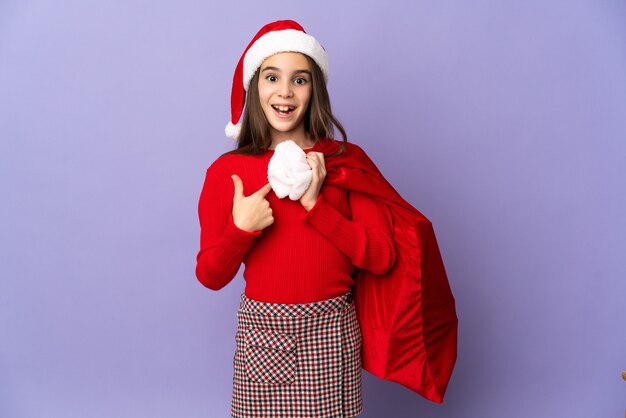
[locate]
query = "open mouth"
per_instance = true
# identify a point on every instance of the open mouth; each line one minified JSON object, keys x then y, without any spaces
{"x":283,"y":110}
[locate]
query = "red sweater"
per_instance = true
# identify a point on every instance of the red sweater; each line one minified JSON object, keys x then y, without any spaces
{"x":304,"y":256}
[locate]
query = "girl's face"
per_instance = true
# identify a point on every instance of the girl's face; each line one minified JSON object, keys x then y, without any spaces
{"x":284,"y":93}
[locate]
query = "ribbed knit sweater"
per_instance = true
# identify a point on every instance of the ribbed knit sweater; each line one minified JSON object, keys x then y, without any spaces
{"x":303,"y":256}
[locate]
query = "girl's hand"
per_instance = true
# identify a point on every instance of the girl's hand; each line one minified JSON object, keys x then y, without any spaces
{"x":316,"y":162}
{"x":251,"y":213}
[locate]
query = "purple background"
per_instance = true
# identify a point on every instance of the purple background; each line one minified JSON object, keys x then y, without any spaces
{"x":503,"y":122}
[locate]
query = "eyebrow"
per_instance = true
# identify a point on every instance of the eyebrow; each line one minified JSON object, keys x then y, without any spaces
{"x":278,"y":69}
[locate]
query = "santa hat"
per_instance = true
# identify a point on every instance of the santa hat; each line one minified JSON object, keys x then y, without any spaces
{"x":275,"y":37}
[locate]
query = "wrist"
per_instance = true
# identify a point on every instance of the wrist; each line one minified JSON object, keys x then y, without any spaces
{"x":310,"y":204}
{"x":240,"y":226}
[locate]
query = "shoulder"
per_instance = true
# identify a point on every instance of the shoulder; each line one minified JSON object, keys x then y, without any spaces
{"x":355,"y":151}
{"x":225,"y":163}
{"x":354,"y":148}
{"x":219,"y":171}
{"x":351,"y":149}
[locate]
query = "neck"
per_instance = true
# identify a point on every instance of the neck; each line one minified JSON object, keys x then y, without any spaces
{"x":300,"y":138}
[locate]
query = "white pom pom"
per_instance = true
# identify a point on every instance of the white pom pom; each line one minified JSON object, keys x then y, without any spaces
{"x":288,"y":172}
{"x":232,"y":131}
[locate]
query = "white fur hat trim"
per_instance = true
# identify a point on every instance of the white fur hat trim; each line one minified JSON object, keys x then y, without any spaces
{"x":282,"y":41}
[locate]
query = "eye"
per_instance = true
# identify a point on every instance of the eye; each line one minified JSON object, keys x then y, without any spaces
{"x":271,"y":77}
{"x":301,"y":80}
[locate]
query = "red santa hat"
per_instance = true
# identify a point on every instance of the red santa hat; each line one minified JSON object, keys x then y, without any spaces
{"x":275,"y":37}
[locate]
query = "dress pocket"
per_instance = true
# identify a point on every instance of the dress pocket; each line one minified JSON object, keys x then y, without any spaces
{"x":270,"y":356}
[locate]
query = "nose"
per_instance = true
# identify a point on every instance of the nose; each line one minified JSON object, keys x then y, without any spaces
{"x":284,"y":89}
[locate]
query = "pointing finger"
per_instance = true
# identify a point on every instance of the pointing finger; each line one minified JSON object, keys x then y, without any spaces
{"x":265,"y":189}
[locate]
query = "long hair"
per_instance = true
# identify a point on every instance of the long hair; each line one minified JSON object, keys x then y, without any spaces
{"x":319,"y":121}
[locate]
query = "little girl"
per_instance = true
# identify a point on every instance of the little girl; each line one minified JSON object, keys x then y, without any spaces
{"x":298,"y":337}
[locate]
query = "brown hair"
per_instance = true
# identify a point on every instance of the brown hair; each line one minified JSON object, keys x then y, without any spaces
{"x":319,"y":121}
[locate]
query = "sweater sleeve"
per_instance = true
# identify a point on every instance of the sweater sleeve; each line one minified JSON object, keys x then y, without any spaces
{"x":366,"y":239}
{"x":223,"y":245}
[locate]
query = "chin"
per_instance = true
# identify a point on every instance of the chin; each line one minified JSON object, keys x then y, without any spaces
{"x":286,"y":129}
{"x":284,"y":132}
